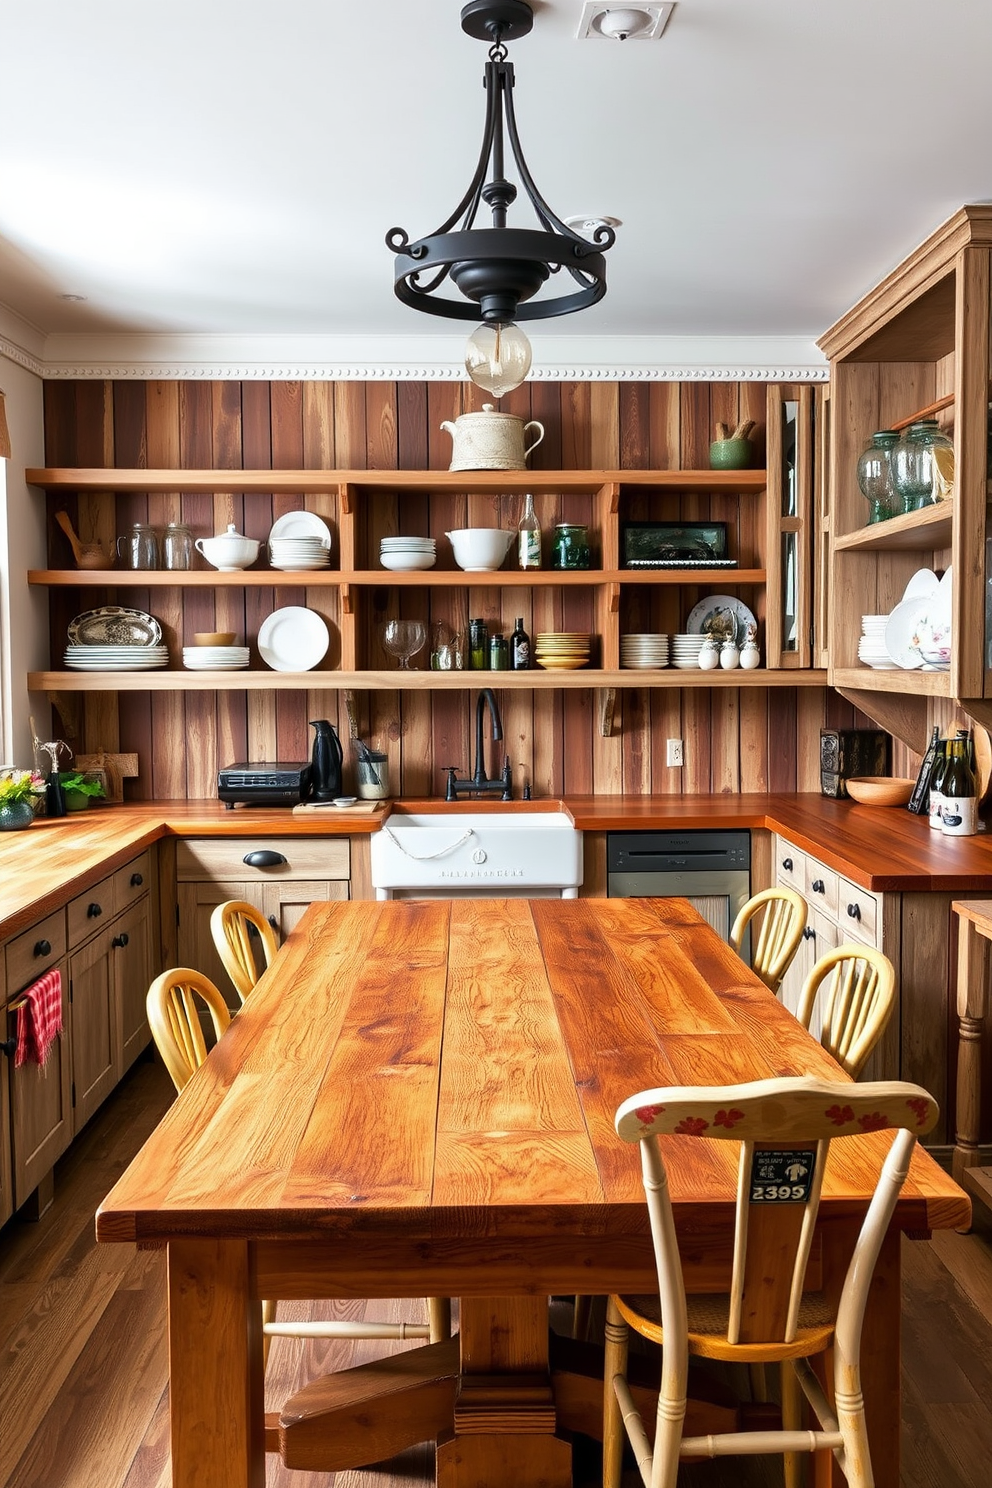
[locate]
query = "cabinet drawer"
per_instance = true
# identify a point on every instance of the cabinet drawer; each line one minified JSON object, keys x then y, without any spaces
{"x":131,"y":881}
{"x":32,"y":953}
{"x":858,"y":913}
{"x":305,"y":857}
{"x":821,"y":887}
{"x":790,"y":865}
{"x":89,"y":912}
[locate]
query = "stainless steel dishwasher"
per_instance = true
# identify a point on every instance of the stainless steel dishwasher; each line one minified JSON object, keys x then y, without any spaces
{"x":710,"y":869}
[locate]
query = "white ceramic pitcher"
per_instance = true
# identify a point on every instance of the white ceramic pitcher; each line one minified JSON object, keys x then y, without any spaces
{"x":490,"y":440}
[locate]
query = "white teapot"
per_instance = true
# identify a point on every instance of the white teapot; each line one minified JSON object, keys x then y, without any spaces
{"x":490,"y":440}
{"x":229,"y":551}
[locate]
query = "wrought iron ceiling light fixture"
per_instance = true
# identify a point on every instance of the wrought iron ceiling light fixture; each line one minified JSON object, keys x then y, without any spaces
{"x":498,"y":269}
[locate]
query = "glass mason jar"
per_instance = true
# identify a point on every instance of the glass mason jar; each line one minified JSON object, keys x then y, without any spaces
{"x":570,"y":547}
{"x":876,"y":477}
{"x":913,"y":463}
{"x":177,"y":547}
{"x":139,"y":547}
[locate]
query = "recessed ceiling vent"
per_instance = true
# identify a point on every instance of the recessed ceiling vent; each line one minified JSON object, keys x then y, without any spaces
{"x":601,"y":22}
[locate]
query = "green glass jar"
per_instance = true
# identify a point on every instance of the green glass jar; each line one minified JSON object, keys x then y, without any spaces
{"x":876,"y":478}
{"x":570,"y":548}
{"x":913,"y":464}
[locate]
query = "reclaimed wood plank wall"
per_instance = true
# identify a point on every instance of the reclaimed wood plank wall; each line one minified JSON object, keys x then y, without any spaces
{"x":752,"y":739}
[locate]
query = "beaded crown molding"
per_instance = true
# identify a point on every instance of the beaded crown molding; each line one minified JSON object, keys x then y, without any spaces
{"x":397,"y":359}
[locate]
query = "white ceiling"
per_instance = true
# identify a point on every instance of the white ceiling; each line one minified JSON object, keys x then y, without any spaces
{"x":211,"y":167}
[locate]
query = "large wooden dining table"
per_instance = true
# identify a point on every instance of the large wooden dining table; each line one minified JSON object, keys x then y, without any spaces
{"x":417,"y":1100}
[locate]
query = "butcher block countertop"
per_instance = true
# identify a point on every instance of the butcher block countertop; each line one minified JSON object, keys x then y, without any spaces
{"x":878,"y":848}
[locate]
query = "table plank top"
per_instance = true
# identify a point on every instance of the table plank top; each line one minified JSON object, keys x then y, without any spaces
{"x":451,"y":1069}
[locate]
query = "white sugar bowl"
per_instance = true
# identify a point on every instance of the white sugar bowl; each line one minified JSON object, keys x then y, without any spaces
{"x":229,"y":551}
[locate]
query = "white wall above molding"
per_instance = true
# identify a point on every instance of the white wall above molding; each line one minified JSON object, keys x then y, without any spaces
{"x":317,"y":358}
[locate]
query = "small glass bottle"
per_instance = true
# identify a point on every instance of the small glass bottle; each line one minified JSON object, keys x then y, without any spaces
{"x":959,"y":794}
{"x":529,"y":537}
{"x":478,"y":646}
{"x":571,"y":546}
{"x":519,"y":647}
{"x":875,"y":476}
{"x":499,"y":654}
{"x":177,"y":547}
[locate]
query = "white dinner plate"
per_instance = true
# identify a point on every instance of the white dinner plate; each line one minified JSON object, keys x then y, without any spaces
{"x":720,"y":615}
{"x":921,"y":585}
{"x":902,"y":638}
{"x":301,"y":524}
{"x":293,"y":639}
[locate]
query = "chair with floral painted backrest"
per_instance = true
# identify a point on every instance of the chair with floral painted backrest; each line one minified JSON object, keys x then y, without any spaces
{"x":858,"y":987}
{"x":237,"y":927}
{"x":784,"y":1128}
{"x":783,"y":919}
{"x":173,"y":1015}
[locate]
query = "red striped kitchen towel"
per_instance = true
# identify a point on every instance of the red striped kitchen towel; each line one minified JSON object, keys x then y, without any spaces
{"x":39,"y":1018}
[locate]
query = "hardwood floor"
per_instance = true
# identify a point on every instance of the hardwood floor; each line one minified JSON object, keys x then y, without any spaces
{"x":83,"y":1380}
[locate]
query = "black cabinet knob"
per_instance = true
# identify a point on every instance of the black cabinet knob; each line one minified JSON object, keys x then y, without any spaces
{"x":119,"y":941}
{"x":787,"y":864}
{"x":264,"y":857}
{"x":809,"y":933}
{"x":819,"y":887}
{"x":854,"y":910}
{"x":43,"y":947}
{"x":273,"y":922}
{"x":94,"y":910}
{"x":136,"y":880}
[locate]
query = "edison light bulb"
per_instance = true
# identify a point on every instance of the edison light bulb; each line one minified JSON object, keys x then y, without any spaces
{"x":498,"y":357}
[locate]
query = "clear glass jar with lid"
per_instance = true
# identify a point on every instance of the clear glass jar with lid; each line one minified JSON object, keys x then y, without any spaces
{"x":570,"y":548}
{"x":876,"y":478}
{"x":177,"y":547}
{"x":913,"y":464}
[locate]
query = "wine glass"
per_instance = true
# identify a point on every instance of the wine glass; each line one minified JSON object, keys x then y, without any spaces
{"x":403,"y":639}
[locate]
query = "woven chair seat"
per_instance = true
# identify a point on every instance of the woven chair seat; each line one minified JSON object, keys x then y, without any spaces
{"x":708,"y":1315}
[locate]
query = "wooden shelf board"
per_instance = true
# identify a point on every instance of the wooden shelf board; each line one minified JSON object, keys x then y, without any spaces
{"x":934,"y":684}
{"x":923,"y":530}
{"x":437,"y":578}
{"x":536,"y":680}
{"x":302,"y":482}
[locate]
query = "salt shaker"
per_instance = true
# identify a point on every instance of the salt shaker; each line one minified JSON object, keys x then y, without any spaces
{"x":729,"y":655}
{"x":709,"y":655}
{"x":750,"y":655}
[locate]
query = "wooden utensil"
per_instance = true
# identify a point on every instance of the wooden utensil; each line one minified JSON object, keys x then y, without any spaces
{"x":982,"y":744}
{"x":87,"y":555}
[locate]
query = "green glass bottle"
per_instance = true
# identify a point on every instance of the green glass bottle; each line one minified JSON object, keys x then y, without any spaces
{"x":959,"y":805}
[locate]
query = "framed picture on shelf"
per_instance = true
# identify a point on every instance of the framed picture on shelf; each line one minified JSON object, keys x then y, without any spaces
{"x":675,"y":545}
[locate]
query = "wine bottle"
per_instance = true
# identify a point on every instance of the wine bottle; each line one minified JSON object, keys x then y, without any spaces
{"x":919,"y":801}
{"x":936,"y":782}
{"x":519,"y":647}
{"x":529,"y":536}
{"x":959,"y":805}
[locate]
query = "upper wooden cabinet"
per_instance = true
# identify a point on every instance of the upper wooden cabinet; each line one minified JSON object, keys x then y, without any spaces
{"x":920,"y":338}
{"x":768,"y":533}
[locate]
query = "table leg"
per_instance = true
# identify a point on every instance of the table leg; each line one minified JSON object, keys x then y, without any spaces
{"x":504,"y":1427}
{"x":973,"y":966}
{"x":216,"y":1383}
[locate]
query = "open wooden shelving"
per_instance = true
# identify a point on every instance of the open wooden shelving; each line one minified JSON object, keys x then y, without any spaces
{"x":437,"y":578}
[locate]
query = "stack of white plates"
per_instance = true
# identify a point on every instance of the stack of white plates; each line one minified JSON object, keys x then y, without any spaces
{"x":871,"y":646}
{"x":645,"y":651}
{"x":299,"y":540}
{"x":112,"y":658}
{"x":562,"y":651}
{"x":403,"y":554}
{"x":215,"y":658}
{"x":685,"y":651}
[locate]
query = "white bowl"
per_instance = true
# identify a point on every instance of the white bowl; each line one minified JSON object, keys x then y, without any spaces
{"x":480,"y":549}
{"x":405,"y":562}
{"x":228,"y":552}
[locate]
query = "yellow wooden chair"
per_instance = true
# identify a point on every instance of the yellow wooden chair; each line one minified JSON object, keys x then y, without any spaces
{"x":173,"y":1017}
{"x":858,"y":984}
{"x":777,"y":941}
{"x":767,"y":1316}
{"x":234,"y":926}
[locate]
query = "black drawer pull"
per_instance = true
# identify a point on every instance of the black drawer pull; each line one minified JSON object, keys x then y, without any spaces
{"x":43,"y":947}
{"x":264,"y":857}
{"x":809,"y":933}
{"x":119,"y":941}
{"x":787,"y":864}
{"x":94,"y":910}
{"x":819,"y":887}
{"x":273,"y":922}
{"x":854,"y":910}
{"x":136,"y":880}
{"x":9,"y":1047}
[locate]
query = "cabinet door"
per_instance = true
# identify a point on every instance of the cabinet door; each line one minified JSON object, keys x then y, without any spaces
{"x":131,"y":943}
{"x":284,"y":903}
{"x":95,"y":1038}
{"x":40,"y":1105}
{"x":197,"y":901}
{"x":6,"y":1178}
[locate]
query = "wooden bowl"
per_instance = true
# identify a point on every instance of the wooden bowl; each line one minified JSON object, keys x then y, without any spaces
{"x":214,"y":638}
{"x":879,"y":790}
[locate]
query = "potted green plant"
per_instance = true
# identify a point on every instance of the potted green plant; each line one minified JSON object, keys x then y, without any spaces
{"x":20,"y":792}
{"x":80,"y":789}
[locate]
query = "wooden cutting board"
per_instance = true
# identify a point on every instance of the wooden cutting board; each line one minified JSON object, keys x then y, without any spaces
{"x":983,"y":761}
{"x":360,"y":808}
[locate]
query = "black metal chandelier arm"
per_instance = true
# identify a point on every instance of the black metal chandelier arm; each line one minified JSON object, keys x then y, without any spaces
{"x":507,"y":246}
{"x":604,"y":236}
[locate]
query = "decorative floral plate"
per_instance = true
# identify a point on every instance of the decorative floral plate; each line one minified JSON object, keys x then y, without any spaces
{"x":115,"y":625}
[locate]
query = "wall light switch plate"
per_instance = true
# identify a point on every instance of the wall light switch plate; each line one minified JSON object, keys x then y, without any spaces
{"x":676,"y":754}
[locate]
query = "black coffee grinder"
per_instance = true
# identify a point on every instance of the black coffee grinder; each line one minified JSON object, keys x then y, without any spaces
{"x":325,"y":761}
